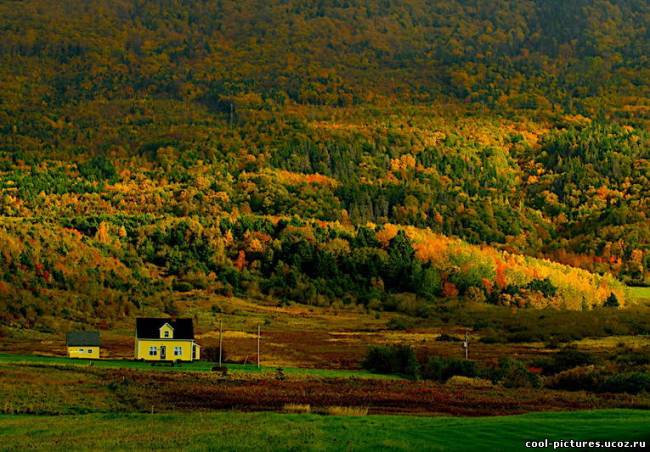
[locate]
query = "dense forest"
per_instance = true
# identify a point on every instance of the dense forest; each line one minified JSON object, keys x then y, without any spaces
{"x":390,"y":155}
{"x":587,"y":56}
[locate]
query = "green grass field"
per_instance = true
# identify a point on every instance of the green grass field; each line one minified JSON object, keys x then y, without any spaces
{"x":270,"y":431}
{"x":197,"y":366}
{"x":640,"y":294}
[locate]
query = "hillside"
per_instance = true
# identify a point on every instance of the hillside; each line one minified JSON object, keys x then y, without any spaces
{"x":108,"y":267}
{"x":537,"y":55}
{"x":275,"y":149}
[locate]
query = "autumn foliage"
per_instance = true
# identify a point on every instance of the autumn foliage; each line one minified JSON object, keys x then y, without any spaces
{"x":385,"y":155}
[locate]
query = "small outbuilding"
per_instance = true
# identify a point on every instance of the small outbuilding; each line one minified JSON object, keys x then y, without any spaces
{"x":83,"y":344}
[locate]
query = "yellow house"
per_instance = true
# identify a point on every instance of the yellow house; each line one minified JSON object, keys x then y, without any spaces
{"x":165,"y":340}
{"x":83,"y":344}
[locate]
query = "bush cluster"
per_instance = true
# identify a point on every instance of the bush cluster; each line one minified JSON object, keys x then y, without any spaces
{"x":597,"y":380}
{"x":392,"y":359}
{"x":565,"y":359}
{"x":442,"y":369}
{"x":402,"y":360}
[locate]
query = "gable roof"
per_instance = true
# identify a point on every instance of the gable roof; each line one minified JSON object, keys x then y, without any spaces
{"x":149,"y":328}
{"x":84,"y":338}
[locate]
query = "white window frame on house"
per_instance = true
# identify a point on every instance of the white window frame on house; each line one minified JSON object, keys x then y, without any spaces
{"x":153,"y":350}
{"x":81,"y":350}
{"x":166,"y":334}
{"x":90,"y":350}
{"x":178,"y":351}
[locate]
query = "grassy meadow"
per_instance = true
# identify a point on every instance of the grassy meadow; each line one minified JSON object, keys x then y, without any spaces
{"x":59,"y":386}
{"x":196,"y":366}
{"x":640,"y":294}
{"x":232,"y":431}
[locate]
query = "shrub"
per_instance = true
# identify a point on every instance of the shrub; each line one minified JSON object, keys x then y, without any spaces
{"x":221,"y":369}
{"x":444,"y":337}
{"x":633,"y":358}
{"x":397,"y":324}
{"x":393,"y":359}
{"x":631,"y":382}
{"x":442,"y":369}
{"x":576,"y":379}
{"x":492,"y":338}
{"x":590,"y":379}
{"x":513,"y":373}
{"x":523,"y":336}
{"x":555,"y":342}
{"x":566,"y":359}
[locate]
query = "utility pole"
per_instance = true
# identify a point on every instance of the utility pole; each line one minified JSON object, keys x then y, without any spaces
{"x":466,"y":345}
{"x":258,"y":345}
{"x":220,"y":340}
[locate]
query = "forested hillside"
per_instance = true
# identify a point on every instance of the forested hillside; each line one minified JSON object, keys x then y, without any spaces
{"x":540,"y":55}
{"x":108,"y":266}
{"x":270,"y":148}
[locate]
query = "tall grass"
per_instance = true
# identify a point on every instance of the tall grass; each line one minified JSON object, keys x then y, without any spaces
{"x":296,"y":408}
{"x":346,"y":411}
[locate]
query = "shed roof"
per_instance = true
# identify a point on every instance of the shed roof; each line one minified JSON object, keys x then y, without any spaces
{"x":149,"y":328}
{"x":87,"y":338}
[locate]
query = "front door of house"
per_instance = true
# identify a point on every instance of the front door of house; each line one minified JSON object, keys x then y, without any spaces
{"x":163,"y":352}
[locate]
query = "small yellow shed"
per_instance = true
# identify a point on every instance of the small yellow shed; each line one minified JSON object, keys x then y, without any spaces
{"x":83,"y":344}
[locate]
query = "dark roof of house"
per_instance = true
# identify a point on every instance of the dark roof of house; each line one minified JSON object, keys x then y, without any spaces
{"x":149,"y":328}
{"x":87,"y":338}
